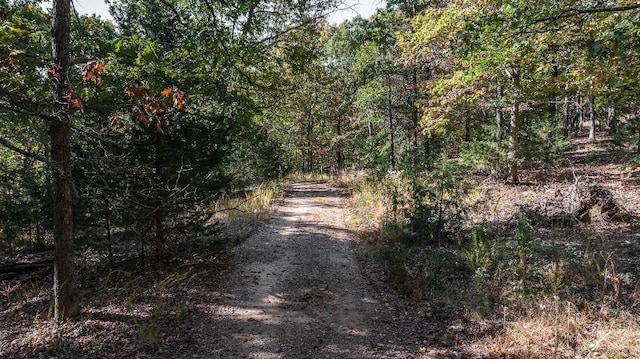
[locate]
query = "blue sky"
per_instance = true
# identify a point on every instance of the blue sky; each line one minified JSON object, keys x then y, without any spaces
{"x":352,"y":8}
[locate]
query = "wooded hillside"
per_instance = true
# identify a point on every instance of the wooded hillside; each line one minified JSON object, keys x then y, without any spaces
{"x":126,"y":139}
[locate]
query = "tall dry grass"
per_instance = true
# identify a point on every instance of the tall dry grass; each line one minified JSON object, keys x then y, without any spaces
{"x":257,"y":203}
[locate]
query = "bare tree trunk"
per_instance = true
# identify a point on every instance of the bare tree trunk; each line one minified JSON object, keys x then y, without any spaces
{"x":160,"y":197}
{"x":309,"y":143}
{"x":391,"y":125}
{"x":592,"y":119}
{"x":580,"y":112}
{"x":414,"y":113}
{"x":66,"y":303}
{"x":612,"y":120}
{"x":499,"y":114}
{"x":567,"y":114}
{"x":339,"y":146}
{"x":514,"y":141}
{"x":107,"y":224}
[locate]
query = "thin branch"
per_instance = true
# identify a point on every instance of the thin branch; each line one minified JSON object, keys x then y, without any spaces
{"x":273,"y":39}
{"x":22,"y":111}
{"x":8,"y":144}
{"x":175,"y":12}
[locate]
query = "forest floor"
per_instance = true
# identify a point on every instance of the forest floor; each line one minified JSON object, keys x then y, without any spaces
{"x":304,"y":285}
{"x":300,"y":286}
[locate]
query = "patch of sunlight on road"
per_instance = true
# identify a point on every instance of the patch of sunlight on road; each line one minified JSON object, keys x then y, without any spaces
{"x":266,"y":355}
{"x":353,"y":332}
{"x":270,"y":314}
{"x":272,"y":300}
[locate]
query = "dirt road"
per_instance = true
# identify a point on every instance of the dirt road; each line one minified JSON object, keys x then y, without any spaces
{"x":300,"y":289}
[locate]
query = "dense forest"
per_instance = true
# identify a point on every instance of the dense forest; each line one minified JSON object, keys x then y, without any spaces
{"x":125,"y":138}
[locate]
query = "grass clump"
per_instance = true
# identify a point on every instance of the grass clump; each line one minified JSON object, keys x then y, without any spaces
{"x":257,"y":203}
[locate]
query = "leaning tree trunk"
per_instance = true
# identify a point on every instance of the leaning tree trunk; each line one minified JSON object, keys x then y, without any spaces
{"x":64,"y":278}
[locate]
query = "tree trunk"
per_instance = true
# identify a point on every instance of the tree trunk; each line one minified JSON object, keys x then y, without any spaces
{"x":612,"y":120}
{"x":161,"y":195}
{"x":499,"y":114}
{"x":566,"y":113}
{"x":414,"y":113}
{"x":512,"y":156}
{"x":467,"y":126}
{"x":580,"y":112}
{"x":637,"y":131}
{"x":592,"y":119}
{"x":391,"y":125}
{"x":107,"y":223}
{"x":309,"y":143}
{"x":66,"y":302}
{"x":339,"y":150}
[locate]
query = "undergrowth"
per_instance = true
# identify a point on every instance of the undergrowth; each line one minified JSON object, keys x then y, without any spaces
{"x":556,"y":292}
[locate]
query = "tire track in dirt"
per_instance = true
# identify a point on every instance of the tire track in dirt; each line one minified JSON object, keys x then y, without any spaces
{"x":298,"y":290}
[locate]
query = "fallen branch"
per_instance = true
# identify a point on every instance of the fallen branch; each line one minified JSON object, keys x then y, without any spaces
{"x":38,"y":268}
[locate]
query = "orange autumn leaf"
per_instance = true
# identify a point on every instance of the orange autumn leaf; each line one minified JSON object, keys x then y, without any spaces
{"x":166,"y":92}
{"x":178,"y":97}
{"x":73,"y":101}
{"x":100,"y":67}
{"x":92,"y":71}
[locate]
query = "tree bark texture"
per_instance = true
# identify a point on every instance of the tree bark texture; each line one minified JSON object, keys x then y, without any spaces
{"x":64,"y":278}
